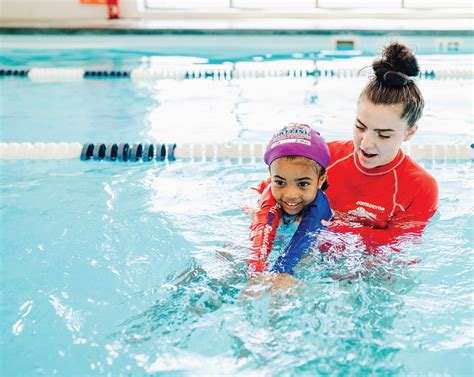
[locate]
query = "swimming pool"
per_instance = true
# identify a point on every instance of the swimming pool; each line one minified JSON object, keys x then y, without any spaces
{"x":136,"y":269}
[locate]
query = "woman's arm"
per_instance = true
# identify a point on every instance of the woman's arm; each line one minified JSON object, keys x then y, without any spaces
{"x":408,"y":222}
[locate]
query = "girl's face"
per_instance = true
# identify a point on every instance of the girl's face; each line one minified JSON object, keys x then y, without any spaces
{"x":295,"y":183}
{"x":378,"y":133}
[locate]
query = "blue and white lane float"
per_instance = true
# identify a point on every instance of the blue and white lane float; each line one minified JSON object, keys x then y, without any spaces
{"x":225,"y":71}
{"x":134,"y":152}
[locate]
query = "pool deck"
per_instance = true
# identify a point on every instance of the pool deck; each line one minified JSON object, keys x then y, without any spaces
{"x":311,"y":21}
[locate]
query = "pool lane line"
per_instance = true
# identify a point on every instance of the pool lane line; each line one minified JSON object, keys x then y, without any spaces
{"x":207,"y":71}
{"x":146,"y":152}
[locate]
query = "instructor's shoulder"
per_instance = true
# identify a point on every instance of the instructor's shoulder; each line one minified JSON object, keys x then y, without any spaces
{"x":339,"y":149}
{"x":418,"y":177}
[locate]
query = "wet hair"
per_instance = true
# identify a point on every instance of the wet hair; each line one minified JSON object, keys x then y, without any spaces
{"x":318,"y":169}
{"x":393,"y":82}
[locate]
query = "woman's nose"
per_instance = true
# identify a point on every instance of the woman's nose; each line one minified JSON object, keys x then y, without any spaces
{"x":367,"y":141}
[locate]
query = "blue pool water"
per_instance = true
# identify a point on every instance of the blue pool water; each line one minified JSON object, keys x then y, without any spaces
{"x":246,"y":110}
{"x":240,"y":109}
{"x":138,"y":269}
{"x":127,"y":51}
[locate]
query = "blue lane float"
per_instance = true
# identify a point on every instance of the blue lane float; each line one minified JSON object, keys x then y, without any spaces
{"x":99,"y":151}
{"x":21,"y":73}
{"x":115,"y":74}
{"x":87,"y":151}
{"x":122,"y":152}
{"x":127,"y":152}
{"x":160,"y":152}
{"x":148,"y":152}
{"x":111,"y":152}
{"x":135,"y":152}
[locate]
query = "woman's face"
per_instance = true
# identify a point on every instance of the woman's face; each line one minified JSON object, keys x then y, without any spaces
{"x":378,"y":133}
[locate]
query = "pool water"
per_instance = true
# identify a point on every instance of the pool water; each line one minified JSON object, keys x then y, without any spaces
{"x":140,"y":269}
{"x":238,"y":110}
{"x":247,"y":110}
{"x":115,"y":270}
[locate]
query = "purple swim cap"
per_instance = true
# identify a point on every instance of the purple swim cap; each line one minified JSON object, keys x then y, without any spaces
{"x":297,"y":140}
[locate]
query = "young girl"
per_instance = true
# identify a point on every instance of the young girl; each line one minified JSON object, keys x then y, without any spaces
{"x":377,"y":192}
{"x":293,"y":205}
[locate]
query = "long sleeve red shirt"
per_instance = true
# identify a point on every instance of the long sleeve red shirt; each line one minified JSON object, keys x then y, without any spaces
{"x":382,"y":203}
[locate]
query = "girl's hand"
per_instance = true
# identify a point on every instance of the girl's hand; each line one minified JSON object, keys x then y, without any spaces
{"x":248,"y":210}
{"x":270,"y":282}
{"x":325,"y":223}
{"x":283,"y":282}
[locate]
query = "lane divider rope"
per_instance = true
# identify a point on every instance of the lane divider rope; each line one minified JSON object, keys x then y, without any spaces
{"x":134,"y":152}
{"x":207,"y":71}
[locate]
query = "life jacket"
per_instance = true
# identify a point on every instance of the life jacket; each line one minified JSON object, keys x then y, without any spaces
{"x":265,"y":225}
{"x":263,"y":228}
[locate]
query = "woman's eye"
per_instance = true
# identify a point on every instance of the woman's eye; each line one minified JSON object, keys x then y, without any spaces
{"x":384,"y":136}
{"x":359,"y":127}
{"x":303,"y":184}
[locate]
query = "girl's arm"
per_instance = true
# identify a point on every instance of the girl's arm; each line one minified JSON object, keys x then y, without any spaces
{"x":305,"y":235}
{"x":263,"y":229}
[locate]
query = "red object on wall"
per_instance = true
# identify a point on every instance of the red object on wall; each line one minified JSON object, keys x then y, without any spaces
{"x":93,"y":1}
{"x":113,"y":6}
{"x":114,"y":9}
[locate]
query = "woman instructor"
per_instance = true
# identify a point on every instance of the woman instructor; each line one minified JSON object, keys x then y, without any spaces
{"x":376,"y":191}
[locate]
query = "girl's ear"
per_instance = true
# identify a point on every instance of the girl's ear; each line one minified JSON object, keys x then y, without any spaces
{"x":322,"y":179}
{"x":409,"y":134}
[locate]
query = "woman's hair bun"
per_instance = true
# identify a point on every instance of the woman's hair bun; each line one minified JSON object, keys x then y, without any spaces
{"x":396,"y":65}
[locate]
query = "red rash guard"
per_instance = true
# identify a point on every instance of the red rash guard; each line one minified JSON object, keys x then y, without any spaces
{"x":382,"y":203}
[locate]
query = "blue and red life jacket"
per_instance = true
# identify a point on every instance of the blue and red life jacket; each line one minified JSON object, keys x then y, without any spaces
{"x":265,"y":225}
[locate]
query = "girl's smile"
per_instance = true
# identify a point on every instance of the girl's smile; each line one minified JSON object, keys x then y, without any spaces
{"x":295,"y":183}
